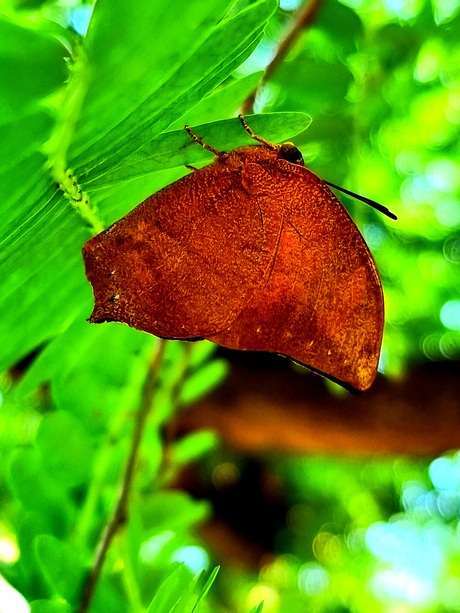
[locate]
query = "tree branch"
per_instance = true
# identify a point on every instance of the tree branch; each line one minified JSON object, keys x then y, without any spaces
{"x":120,"y":511}
{"x":304,"y":18}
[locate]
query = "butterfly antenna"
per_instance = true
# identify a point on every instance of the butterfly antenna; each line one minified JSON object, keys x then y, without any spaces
{"x":372,"y":203}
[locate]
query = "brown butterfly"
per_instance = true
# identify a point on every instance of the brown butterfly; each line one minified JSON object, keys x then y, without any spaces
{"x":252,"y":252}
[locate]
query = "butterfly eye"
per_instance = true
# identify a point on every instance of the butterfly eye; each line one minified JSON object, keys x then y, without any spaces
{"x":290,"y":153}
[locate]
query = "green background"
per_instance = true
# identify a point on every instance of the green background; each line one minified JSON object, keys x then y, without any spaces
{"x":381,"y":82}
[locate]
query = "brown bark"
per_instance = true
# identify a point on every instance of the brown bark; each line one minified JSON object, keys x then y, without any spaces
{"x":290,"y":411}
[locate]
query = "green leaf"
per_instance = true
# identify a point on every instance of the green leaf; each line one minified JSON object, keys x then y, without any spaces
{"x":171,"y":510}
{"x":42,"y":281}
{"x":200,"y":353}
{"x":49,"y":606}
{"x":60,"y":566}
{"x":66,"y":448}
{"x":200,"y":383}
{"x":177,"y":593}
{"x":193,"y":446}
{"x":176,"y":148}
{"x":107,"y":361}
{"x":25,"y":573}
{"x":221,"y":103}
{"x":342,"y":27}
{"x":136,"y":48}
{"x":172,"y":592}
{"x":207,"y":586}
{"x":324,"y":85}
{"x":220,"y":50}
{"x":32,"y":66}
{"x":37,"y":492}
{"x":109,"y":595}
{"x":21,"y":137}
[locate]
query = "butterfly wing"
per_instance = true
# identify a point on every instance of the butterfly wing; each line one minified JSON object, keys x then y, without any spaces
{"x":251,"y":252}
{"x":321,"y":303}
{"x":185,"y":262}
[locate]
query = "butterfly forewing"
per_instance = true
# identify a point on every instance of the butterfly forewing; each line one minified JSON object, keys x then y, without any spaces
{"x":184,"y":262}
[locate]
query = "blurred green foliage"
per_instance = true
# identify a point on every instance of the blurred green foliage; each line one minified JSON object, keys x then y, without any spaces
{"x":381,"y":81}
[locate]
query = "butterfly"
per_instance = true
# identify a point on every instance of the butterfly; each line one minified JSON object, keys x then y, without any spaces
{"x":252,"y":252}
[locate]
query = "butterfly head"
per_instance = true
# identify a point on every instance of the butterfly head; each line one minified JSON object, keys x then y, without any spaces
{"x":289,"y":152}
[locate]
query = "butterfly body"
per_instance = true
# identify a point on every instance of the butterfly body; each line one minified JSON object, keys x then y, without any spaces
{"x":253,"y":252}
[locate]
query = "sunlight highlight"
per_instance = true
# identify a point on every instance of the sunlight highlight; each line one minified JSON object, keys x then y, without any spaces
{"x":11,"y":601}
{"x":265,"y":594}
{"x":450,"y":314}
{"x":404,"y":9}
{"x":313,"y":579}
{"x":445,"y":10}
{"x":151,"y":548}
{"x":9,"y":552}
{"x":195,"y":558}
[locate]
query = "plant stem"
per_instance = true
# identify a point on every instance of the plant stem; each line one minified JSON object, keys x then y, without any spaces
{"x":135,"y":378}
{"x":304,"y":18}
{"x":68,"y":112}
{"x":120,"y":512}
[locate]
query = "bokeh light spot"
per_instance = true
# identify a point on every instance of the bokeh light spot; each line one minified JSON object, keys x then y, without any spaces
{"x":429,"y":61}
{"x":195,"y":558}
{"x":9,"y":552}
{"x":450,"y":314}
{"x":448,"y":212}
{"x":313,"y":579}
{"x":290,"y":5}
{"x":444,"y":474}
{"x":395,"y":584}
{"x":452,"y":249}
{"x":404,"y":9}
{"x":431,"y":346}
{"x":451,"y":594}
{"x":80,"y":18}
{"x":445,"y":10}
{"x":443,"y":174}
{"x":151,"y":548}
{"x":327,"y":547}
{"x":265,"y":594}
{"x":450,"y":345}
{"x":374,"y":235}
{"x":224,"y":475}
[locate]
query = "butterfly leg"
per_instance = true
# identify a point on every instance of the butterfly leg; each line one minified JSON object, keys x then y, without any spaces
{"x":201,"y":142}
{"x":254,"y":136}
